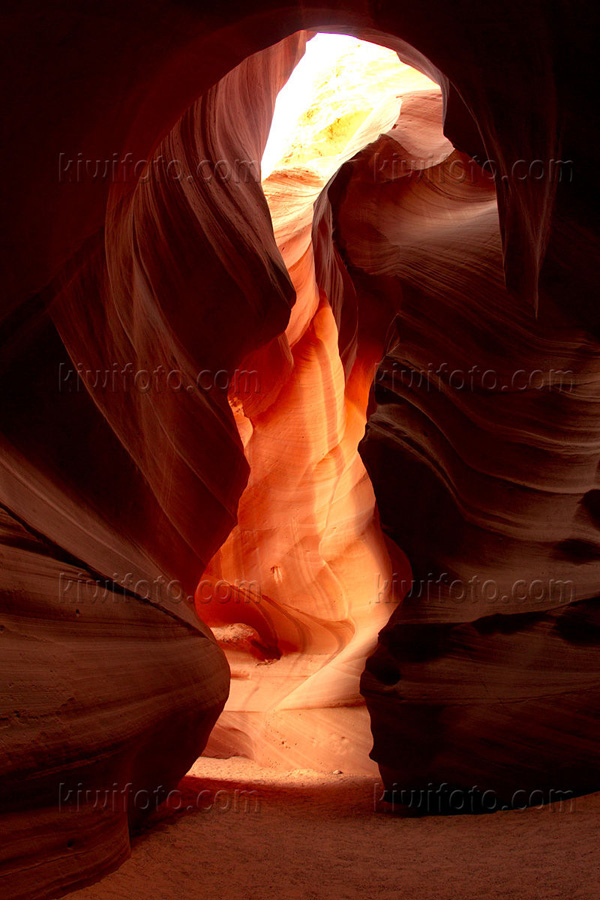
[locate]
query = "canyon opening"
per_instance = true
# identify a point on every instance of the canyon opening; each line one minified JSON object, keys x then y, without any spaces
{"x":302,"y":585}
{"x":299,"y":481}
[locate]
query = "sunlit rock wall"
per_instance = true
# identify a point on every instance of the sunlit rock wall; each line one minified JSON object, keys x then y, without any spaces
{"x":307,"y":564}
{"x":98,"y":270}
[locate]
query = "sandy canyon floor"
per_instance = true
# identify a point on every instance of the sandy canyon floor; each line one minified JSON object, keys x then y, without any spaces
{"x":250,"y":833}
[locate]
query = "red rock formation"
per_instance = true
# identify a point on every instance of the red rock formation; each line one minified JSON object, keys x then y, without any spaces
{"x":128,"y":479}
{"x":307,"y":562}
{"x":483,"y":450}
{"x":105,"y":701}
{"x":141,"y":488}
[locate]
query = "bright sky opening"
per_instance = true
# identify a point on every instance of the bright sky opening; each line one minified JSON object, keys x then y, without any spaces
{"x":341,"y":89}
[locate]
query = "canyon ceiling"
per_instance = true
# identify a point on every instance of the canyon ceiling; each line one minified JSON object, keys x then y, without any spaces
{"x":410,"y":560}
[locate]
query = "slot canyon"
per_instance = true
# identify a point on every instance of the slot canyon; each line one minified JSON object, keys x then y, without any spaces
{"x":300,"y":469}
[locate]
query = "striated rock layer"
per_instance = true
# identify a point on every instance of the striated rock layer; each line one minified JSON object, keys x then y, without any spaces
{"x":106,"y":700}
{"x":130,"y":270}
{"x":300,"y":582}
{"x":120,"y":473}
{"x":483,"y":449}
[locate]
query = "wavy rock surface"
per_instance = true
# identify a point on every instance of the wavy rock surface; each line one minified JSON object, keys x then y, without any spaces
{"x":125,"y":475}
{"x":483,"y":449}
{"x":307,"y":561}
{"x":185,"y":274}
{"x":106,"y":701}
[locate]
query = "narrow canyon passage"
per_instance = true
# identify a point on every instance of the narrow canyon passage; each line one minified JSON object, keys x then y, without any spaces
{"x":303,"y":579}
{"x":299,"y":451}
